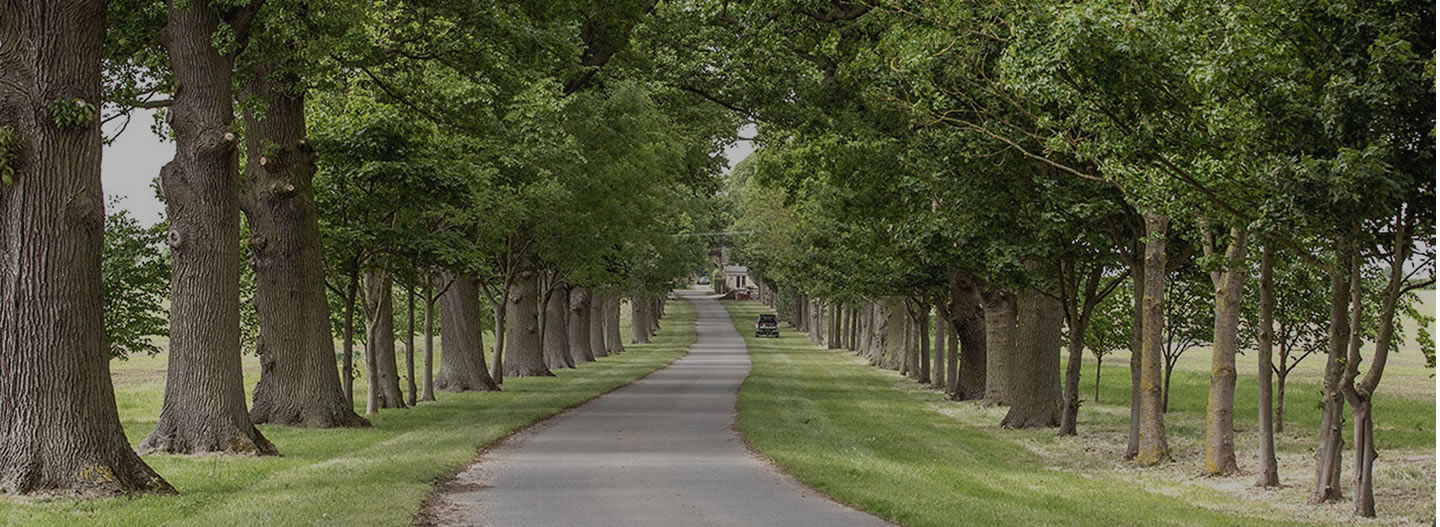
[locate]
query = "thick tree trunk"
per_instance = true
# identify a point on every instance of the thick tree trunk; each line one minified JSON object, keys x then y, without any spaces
{"x":968,"y":374}
{"x":1034,"y":383}
{"x":612,"y":324}
{"x":427,"y":388}
{"x":523,"y":356}
{"x":299,"y":385}
{"x":1269,"y":470}
{"x":579,"y":325}
{"x":937,"y":368}
{"x":380,"y":343}
{"x":204,"y":405}
{"x":556,"y":335}
{"x":1220,"y":408}
{"x":1330,"y":450}
{"x":1364,"y":501}
{"x":639,"y":322}
{"x":61,"y":432}
{"x":1154,"y":447}
{"x":952,"y":369}
{"x":1000,"y":332}
{"x":597,"y":324}
{"x":894,"y":340}
{"x":462,"y":351}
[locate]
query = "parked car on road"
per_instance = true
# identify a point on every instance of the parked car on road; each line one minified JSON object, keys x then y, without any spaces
{"x":704,"y":280}
{"x":767,"y":325}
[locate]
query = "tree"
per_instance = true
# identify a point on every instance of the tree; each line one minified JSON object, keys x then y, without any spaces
{"x":58,"y":436}
{"x":136,"y":277}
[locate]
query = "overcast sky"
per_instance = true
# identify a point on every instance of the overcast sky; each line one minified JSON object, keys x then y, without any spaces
{"x":134,"y":160}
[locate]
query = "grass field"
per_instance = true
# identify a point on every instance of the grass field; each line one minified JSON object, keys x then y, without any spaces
{"x":377,"y":476}
{"x":876,"y":440}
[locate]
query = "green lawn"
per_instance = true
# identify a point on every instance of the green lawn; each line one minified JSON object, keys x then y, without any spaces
{"x":869,"y":438}
{"x":372,"y":477}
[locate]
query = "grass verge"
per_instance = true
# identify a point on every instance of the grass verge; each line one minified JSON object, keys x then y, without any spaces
{"x":376,"y":476}
{"x":848,"y":430}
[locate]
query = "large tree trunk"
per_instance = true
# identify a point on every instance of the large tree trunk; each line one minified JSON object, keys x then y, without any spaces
{"x":1000,"y":329}
{"x":1269,"y":470}
{"x":523,"y":356}
{"x":1329,"y":452}
{"x":893,"y":341}
{"x":1034,"y":383}
{"x":380,"y":343}
{"x":1220,"y":408}
{"x":612,"y":324}
{"x":61,"y":432}
{"x":299,"y":384}
{"x":427,"y":388}
{"x":967,"y":375}
{"x":579,"y":322}
{"x":597,"y":324}
{"x":1154,"y":447}
{"x":556,"y":334}
{"x":639,"y":321}
{"x":462,"y":351}
{"x":204,"y":405}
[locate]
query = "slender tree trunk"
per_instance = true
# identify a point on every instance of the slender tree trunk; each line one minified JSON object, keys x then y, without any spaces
{"x":1070,"y":406}
{"x":524,"y":358}
{"x":922,"y":341}
{"x":1137,"y":279}
{"x":1280,"y":400}
{"x":1165,"y":394}
{"x":380,"y":341}
{"x":462,"y":351}
{"x":1154,"y":447}
{"x":347,"y":341}
{"x":1098,"y":361}
{"x":1000,"y":324}
{"x":937,"y":368}
{"x":61,"y":431}
{"x":298,"y":385}
{"x":556,"y":335}
{"x":612,"y":324}
{"x":1269,"y":469}
{"x":1327,"y":455}
{"x":411,"y":389}
{"x":1034,"y":383}
{"x":1220,"y":408}
{"x":204,"y":404}
{"x":597,"y":324}
{"x":427,"y":389}
{"x":579,"y":322}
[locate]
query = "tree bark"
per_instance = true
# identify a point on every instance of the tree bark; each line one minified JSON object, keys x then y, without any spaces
{"x":597,"y":324}
{"x":1034,"y":381}
{"x":937,"y":368}
{"x":639,"y":322}
{"x":523,"y":357}
{"x":612,"y":324}
{"x":579,"y":325}
{"x":427,"y":388}
{"x":1154,"y":447}
{"x":1327,"y":454}
{"x":1000,"y":324}
{"x":1220,"y":407}
{"x":462,"y":351}
{"x":1280,"y":400}
{"x":1269,"y":469}
{"x":967,"y":375}
{"x":952,"y":369}
{"x":62,"y":434}
{"x":555,"y":337}
{"x":204,"y":404}
{"x":1137,"y":333}
{"x":411,"y":393}
{"x":380,"y":343}
{"x":347,"y":341}
{"x":299,"y":384}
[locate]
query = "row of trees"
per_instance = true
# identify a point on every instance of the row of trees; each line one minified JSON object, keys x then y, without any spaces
{"x":328,"y":153}
{"x":1080,"y":175}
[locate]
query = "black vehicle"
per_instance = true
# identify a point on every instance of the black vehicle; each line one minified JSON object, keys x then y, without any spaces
{"x":767,"y":325}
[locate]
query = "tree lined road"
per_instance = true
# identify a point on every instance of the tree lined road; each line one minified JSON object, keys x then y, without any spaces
{"x":659,"y":452}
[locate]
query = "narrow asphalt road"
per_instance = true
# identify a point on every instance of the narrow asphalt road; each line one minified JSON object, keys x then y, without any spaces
{"x":659,"y":452}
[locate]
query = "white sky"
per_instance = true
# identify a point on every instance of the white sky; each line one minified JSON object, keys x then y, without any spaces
{"x":131,"y":163}
{"x":741,"y":149}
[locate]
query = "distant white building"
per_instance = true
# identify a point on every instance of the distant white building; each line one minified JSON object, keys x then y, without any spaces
{"x":737,"y":277}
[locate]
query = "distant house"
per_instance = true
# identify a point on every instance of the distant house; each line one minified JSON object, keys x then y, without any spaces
{"x":737,"y":277}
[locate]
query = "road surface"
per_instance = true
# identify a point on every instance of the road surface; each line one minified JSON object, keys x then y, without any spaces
{"x":659,"y":452}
